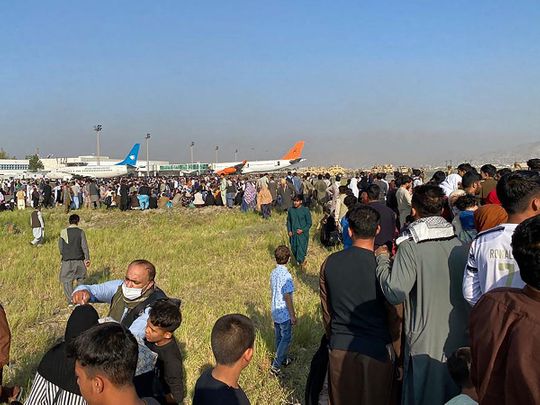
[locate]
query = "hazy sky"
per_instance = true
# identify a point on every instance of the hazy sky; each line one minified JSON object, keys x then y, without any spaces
{"x":359,"y":81}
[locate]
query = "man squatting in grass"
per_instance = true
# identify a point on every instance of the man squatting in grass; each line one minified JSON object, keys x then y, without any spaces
{"x":298,"y":225}
{"x":105,"y":362}
{"x":165,"y":317}
{"x":282,"y":307}
{"x":232,"y":342}
{"x":130,"y":299}
{"x":75,"y":255}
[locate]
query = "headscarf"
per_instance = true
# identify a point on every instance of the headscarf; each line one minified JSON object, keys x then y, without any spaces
{"x":489,"y":216}
{"x":250,"y":193}
{"x":451,"y":183}
{"x":56,"y":367}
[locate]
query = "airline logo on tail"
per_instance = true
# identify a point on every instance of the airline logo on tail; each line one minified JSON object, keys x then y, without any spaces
{"x":131,"y":158}
{"x":295,"y":152}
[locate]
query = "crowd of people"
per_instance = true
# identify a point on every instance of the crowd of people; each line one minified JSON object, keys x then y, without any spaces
{"x":432,"y":299}
{"x":262,"y":193}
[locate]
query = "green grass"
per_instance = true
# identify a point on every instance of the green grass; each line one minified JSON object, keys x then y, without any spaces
{"x":217,"y":261}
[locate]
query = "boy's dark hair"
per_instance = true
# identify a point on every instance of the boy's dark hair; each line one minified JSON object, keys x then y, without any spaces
{"x":438,"y":177}
{"x":74,"y":219}
{"x":526,"y":250}
{"x":428,"y":200}
{"x":459,"y":367}
{"x":405,"y":179}
{"x":298,"y":197}
{"x":349,"y":201}
{"x":504,"y":171}
{"x":488,"y":169}
{"x":282,"y":254}
{"x":147,"y":265}
{"x":166,"y":314}
{"x":469,"y":179}
{"x":416,"y":172}
{"x":231,"y":336}
{"x":465,"y":167}
{"x":534,"y":164}
{"x":373,"y":191}
{"x":515,"y":190}
{"x":363,"y":221}
{"x":465,"y":201}
{"x":108,"y":349}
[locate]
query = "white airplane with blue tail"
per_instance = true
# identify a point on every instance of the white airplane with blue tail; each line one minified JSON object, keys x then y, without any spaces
{"x":123,"y":168}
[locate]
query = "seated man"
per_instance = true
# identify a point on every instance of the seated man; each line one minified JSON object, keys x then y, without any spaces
{"x":130,"y":299}
{"x":105,"y":362}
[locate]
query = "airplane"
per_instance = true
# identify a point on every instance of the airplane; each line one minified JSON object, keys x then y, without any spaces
{"x":123,"y":168}
{"x":292,"y":157}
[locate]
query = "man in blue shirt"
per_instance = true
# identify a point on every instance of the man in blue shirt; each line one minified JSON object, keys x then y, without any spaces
{"x":282,"y":307}
{"x":130,"y":299}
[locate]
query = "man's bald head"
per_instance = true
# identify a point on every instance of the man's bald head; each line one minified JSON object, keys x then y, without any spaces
{"x":146,"y":265}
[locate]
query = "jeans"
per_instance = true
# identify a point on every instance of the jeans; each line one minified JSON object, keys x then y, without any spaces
{"x":75,"y":202}
{"x":283,"y":332}
{"x":266,"y":210}
{"x":230,"y":200}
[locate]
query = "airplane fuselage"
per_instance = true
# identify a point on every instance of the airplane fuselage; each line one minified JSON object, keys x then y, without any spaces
{"x":94,"y":171}
{"x":259,"y":166}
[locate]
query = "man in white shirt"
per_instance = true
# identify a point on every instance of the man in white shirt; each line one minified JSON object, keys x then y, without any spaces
{"x":491,"y":263}
{"x":453,"y":181}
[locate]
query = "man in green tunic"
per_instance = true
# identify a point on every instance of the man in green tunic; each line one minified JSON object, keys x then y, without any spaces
{"x":298,"y":224}
{"x":426,"y":277}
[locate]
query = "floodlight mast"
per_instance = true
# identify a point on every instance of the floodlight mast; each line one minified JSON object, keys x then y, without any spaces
{"x":98,"y":129}
{"x":147,"y":137}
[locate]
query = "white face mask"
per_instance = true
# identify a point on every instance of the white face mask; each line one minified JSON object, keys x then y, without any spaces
{"x":131,"y":293}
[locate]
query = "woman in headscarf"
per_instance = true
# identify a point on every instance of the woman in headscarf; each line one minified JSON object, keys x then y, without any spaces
{"x":55,"y":381}
{"x":249,"y":199}
{"x":489,"y":216}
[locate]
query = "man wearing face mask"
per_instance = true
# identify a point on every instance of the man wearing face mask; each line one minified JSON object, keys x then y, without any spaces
{"x":130,"y":299}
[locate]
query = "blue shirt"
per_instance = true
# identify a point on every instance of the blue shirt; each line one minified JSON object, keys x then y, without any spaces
{"x":281,"y":283}
{"x":104,"y":292}
{"x":347,"y":241}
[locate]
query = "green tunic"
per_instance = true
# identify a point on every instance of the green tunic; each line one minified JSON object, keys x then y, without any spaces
{"x":299,"y":218}
{"x":427,"y":278}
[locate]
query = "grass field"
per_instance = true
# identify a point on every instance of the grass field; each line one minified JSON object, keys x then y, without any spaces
{"x":217,"y":261}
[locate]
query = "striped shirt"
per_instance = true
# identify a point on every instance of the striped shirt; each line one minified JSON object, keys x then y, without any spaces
{"x":44,"y":392}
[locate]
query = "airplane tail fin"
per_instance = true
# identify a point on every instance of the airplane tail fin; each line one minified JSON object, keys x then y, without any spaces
{"x":295,"y":152}
{"x":131,"y":158}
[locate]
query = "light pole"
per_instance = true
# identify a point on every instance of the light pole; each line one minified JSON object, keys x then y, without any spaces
{"x":236,"y":155}
{"x":147,"y":137}
{"x":191,"y":150}
{"x":217,"y":148}
{"x":98,"y":129}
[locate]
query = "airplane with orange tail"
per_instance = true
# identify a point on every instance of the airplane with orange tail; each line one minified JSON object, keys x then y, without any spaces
{"x":292,"y":157}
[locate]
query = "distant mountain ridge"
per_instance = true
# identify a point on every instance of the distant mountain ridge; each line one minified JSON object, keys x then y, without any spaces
{"x":519,"y":153}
